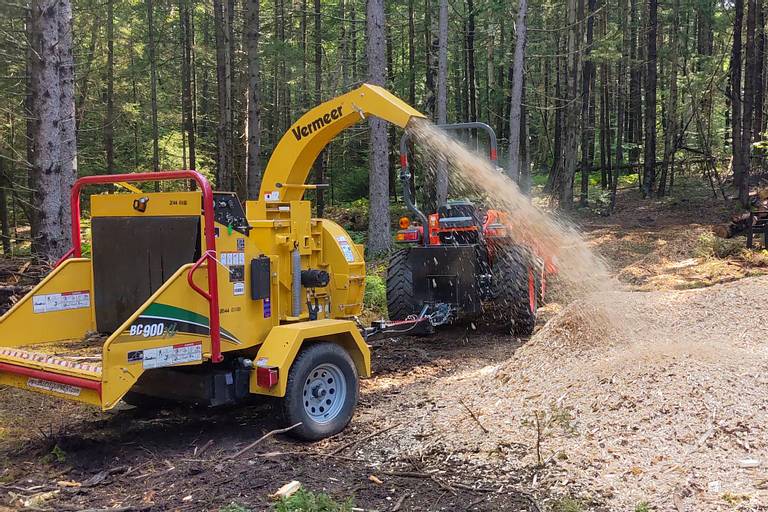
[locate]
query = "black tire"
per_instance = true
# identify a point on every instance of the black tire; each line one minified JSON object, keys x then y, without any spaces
{"x":511,"y":269}
{"x":306,"y":375}
{"x":401,"y":298}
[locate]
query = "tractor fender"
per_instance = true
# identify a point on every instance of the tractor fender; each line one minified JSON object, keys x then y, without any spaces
{"x":283,"y":343}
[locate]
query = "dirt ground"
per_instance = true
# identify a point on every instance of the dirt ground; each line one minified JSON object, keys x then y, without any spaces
{"x":67,"y":457}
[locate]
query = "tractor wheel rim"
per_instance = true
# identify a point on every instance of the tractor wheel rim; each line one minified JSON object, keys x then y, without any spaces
{"x":324,"y":393}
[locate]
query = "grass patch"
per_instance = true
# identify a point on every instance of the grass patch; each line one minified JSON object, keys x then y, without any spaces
{"x":643,"y":506}
{"x":308,"y":501}
{"x":568,"y":505}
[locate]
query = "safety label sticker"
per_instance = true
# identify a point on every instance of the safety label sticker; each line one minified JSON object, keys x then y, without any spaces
{"x":238,"y":289}
{"x":346,"y":248}
{"x":61,"y":301}
{"x":169,"y":356}
{"x":232,"y":258}
{"x":64,"y":389}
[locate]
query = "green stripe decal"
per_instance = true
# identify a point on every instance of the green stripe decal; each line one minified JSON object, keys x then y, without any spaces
{"x":174,"y":313}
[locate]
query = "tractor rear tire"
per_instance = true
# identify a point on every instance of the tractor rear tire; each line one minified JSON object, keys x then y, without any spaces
{"x":321,"y":393}
{"x":401,"y":297}
{"x":515,"y":300}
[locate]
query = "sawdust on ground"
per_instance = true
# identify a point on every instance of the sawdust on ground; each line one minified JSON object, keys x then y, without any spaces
{"x":634,"y":397}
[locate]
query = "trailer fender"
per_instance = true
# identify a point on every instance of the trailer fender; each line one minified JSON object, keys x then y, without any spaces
{"x":284,"y":342}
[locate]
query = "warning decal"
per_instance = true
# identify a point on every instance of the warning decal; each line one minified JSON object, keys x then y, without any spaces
{"x":169,"y":356}
{"x":61,"y":301}
{"x":64,"y":389}
{"x":346,"y":248}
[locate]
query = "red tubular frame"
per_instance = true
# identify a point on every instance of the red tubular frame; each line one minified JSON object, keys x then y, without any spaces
{"x":212,"y":296}
{"x":52,"y":377}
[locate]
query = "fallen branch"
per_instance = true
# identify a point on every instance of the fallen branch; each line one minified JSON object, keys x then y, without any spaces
{"x":262,"y":438}
{"x":474,"y":417}
{"x":357,"y":441}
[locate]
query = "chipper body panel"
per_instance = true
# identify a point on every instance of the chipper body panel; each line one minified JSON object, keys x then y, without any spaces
{"x":189,"y":296}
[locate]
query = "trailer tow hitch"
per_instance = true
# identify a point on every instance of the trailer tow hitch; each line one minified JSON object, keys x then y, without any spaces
{"x":431,"y":316}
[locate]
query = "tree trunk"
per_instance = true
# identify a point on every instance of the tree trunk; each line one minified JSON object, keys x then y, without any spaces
{"x":253,"y":126}
{"x":649,"y":168}
{"x":320,"y":161}
{"x":430,"y":54}
{"x":739,"y":166}
{"x":670,"y":130}
{"x":441,"y":180}
{"x":750,"y":83}
{"x":620,"y":101}
{"x":570,"y":146}
{"x":109,"y":120}
{"x":516,"y":96}
{"x":379,"y":237}
{"x":587,"y":121}
{"x":49,"y":240}
{"x":471,"y":67}
{"x":68,"y":117}
{"x":153,"y":85}
{"x":186,"y":81}
{"x":411,"y":56}
{"x":224,"y":172}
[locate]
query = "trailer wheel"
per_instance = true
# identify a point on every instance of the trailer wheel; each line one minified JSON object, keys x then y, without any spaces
{"x":517,"y":289}
{"x":321,"y":393}
{"x":401,"y":298}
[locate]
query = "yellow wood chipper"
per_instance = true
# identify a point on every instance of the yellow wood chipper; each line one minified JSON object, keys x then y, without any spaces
{"x":188,"y":296}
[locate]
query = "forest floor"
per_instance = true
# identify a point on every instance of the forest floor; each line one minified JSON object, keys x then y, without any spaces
{"x":429,"y":422}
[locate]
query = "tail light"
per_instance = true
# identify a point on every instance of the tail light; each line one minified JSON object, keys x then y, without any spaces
{"x":408,"y":235}
{"x":267,"y":376}
{"x":405,"y":222}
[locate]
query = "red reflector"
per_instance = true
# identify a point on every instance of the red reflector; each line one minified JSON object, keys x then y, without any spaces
{"x":403,"y":160}
{"x":493,"y":154}
{"x":266,"y":376}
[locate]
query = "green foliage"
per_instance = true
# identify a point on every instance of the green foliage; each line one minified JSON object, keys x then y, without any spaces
{"x":643,"y":506}
{"x":308,"y":501}
{"x":375,"y":293}
{"x":710,"y":246}
{"x":56,"y":455}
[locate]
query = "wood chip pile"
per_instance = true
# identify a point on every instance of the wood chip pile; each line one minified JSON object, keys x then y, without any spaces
{"x":627,"y":397}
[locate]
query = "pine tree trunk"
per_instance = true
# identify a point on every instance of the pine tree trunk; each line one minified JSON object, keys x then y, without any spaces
{"x":516,"y":96}
{"x":620,"y":101}
{"x":186,"y":80}
{"x":109,"y":120}
{"x":471,"y":67}
{"x":670,"y":130}
{"x":441,"y":180}
{"x":570,"y":146}
{"x":739,"y":166}
{"x":379,"y":237}
{"x":649,"y":163}
{"x":587,"y":107}
{"x":49,"y":240}
{"x":153,"y":85}
{"x":224,"y":80}
{"x":320,"y":161}
{"x":750,"y":83}
{"x":253,"y":126}
{"x":411,"y":56}
{"x":68,"y":119}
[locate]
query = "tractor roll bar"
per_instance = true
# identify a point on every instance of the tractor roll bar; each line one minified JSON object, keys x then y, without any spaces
{"x":212,"y":296}
{"x":405,"y":170}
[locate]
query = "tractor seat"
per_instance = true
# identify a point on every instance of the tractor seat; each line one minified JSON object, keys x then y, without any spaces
{"x":459,"y":214}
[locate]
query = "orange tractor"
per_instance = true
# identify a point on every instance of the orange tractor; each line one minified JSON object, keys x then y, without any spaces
{"x":462,"y":263}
